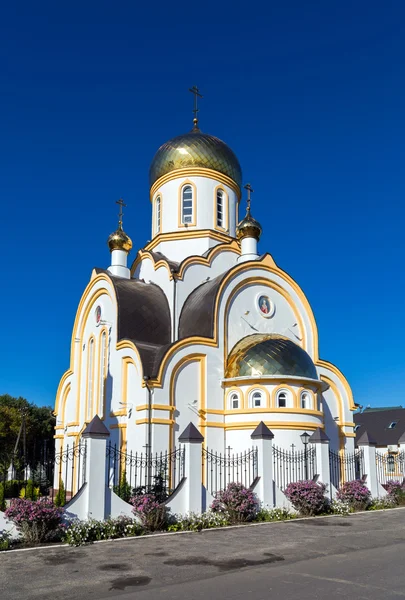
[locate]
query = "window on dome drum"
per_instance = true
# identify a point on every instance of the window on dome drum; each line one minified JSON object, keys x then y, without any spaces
{"x":356,"y":428}
{"x":234,"y":401}
{"x":90,"y":360}
{"x":220,"y":208}
{"x":158,"y":213}
{"x":392,"y":425}
{"x":282,"y":399}
{"x":305,"y":400}
{"x":187,"y":205}
{"x":256,"y":399}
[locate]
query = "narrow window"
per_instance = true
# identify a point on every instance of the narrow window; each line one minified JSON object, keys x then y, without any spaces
{"x":158,"y":213}
{"x":281,"y":399}
{"x":102,"y":373}
{"x":234,"y":401}
{"x":220,"y":208}
{"x":305,"y":400}
{"x":392,"y":425}
{"x":187,"y":205}
{"x":391,"y":463}
{"x":90,"y":378}
{"x":257,"y":400}
{"x":356,"y":428}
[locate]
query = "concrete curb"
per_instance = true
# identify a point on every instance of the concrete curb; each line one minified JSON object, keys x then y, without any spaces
{"x":212,"y":529}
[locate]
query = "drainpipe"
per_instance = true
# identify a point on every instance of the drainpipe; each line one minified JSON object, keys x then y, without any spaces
{"x":149,"y":434}
{"x":174,"y":337}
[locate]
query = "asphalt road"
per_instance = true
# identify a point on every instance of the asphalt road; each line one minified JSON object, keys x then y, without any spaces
{"x":360,"y":556}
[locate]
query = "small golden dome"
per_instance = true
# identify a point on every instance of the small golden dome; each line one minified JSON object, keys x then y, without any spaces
{"x":248,"y":227}
{"x":119,"y":240}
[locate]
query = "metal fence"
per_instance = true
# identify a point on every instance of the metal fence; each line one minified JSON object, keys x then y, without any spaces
{"x":219,"y":470}
{"x":139,"y":472}
{"x":31,"y":467}
{"x":293,"y":465}
{"x":70,"y":467}
{"x":345,"y":466}
{"x":390,"y":467}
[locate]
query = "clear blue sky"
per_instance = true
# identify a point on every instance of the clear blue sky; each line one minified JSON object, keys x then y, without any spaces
{"x":311,"y":97}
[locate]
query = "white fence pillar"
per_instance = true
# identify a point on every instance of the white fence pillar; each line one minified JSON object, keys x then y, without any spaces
{"x":263,"y":438}
{"x":321,"y":441}
{"x":192,"y":492}
{"x":90,"y":501}
{"x":368,"y":445}
{"x":401,"y":443}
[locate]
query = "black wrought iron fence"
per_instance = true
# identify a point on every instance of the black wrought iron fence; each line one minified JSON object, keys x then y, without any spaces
{"x":293,"y":465}
{"x":137,"y":472}
{"x":345,"y":466}
{"x":27,"y":472}
{"x":221,"y":469}
{"x":70,"y":467}
{"x":390,"y":467}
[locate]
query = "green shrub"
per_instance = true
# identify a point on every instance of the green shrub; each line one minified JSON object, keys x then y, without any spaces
{"x":2,"y":497}
{"x":123,"y":490}
{"x":12,"y":488}
{"x":382,"y":503}
{"x":275,"y":514}
{"x":5,"y":541}
{"x":60,"y":498}
{"x":29,"y":491}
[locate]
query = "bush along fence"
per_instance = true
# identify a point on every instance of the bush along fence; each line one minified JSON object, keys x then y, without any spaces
{"x":94,"y":479}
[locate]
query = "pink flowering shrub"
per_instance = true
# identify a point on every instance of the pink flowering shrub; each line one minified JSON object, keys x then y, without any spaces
{"x":355,"y":494}
{"x":396,"y":492}
{"x":38,"y":520}
{"x":237,"y":502}
{"x":152,"y":513}
{"x":307,"y":497}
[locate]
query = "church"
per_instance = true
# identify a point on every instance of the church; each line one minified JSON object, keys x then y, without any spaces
{"x":202,"y":327}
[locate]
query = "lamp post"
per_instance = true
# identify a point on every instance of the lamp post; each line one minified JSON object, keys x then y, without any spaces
{"x":305,"y":440}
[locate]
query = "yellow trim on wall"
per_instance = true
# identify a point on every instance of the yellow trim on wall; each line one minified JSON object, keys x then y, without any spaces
{"x":118,"y":426}
{"x":227,"y":396}
{"x":187,"y":183}
{"x":156,"y":421}
{"x":72,"y":424}
{"x":276,"y":411}
{"x":195,"y":172}
{"x":156,"y":407}
{"x":89,"y":406}
{"x":104,"y":368}
{"x":258,"y":388}
{"x":331,"y":367}
{"x":184,"y":235}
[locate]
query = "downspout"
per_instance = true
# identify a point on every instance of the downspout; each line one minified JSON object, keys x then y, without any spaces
{"x":149,"y":434}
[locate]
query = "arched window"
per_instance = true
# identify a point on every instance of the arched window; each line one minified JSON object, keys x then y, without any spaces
{"x":305,"y":400}
{"x":256,"y":399}
{"x":187,"y":205}
{"x":90,"y":370}
{"x":158,"y":212}
{"x":220,"y":208}
{"x":101,"y":370}
{"x":234,"y":401}
{"x":282,"y":399}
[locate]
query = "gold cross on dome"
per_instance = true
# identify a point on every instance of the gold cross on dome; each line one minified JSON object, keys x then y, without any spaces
{"x":194,"y":90}
{"x":250,"y":191}
{"x":120,"y":214}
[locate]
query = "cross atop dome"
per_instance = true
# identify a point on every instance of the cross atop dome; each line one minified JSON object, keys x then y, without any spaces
{"x":194,"y":90}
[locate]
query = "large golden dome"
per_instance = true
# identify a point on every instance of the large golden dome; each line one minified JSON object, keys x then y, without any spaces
{"x":195,"y":149}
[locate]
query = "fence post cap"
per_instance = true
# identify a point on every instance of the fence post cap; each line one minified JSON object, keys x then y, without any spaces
{"x":402,"y":439}
{"x":191,"y":434}
{"x":319,"y":437}
{"x":96,"y":428}
{"x":262,"y":432}
{"x":366,"y":440}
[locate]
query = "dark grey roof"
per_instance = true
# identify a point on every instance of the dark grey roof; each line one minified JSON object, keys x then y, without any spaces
{"x":319,"y":437}
{"x":197,"y":315}
{"x":173,"y":265}
{"x":366,"y":439}
{"x":143,"y":318}
{"x":262,"y":432}
{"x":376,"y":423}
{"x":191,"y":434}
{"x":96,"y":428}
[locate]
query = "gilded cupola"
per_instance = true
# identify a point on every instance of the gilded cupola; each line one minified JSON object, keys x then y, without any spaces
{"x":248,"y":227}
{"x":119,"y":240}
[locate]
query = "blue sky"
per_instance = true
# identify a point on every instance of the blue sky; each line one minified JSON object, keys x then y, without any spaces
{"x":309,"y":95}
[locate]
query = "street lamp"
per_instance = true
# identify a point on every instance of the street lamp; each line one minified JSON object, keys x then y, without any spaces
{"x":305,"y":440}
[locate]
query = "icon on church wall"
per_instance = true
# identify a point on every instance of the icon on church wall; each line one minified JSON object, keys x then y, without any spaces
{"x":265,"y":306}
{"x":98,"y":314}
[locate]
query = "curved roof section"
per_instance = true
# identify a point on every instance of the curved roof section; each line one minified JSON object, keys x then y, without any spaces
{"x":269,"y":354}
{"x":195,"y":149}
{"x":143,"y":318}
{"x":197,"y":314}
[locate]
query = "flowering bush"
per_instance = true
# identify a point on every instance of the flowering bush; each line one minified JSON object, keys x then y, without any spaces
{"x":37,"y":520}
{"x":236,"y":502}
{"x":152,"y":513}
{"x":339,"y":507}
{"x":196,"y":522}
{"x":355,"y":493}
{"x":396,"y":492}
{"x":86,"y":532}
{"x":382,"y":503}
{"x":307,"y":497}
{"x":275,"y":514}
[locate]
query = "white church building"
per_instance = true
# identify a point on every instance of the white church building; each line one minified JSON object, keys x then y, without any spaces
{"x":202,"y":327}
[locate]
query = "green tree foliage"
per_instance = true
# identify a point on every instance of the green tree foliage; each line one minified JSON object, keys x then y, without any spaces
{"x":60,"y":498}
{"x":40,"y":424}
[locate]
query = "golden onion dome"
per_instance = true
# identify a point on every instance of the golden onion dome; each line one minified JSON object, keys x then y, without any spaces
{"x":119,"y":240}
{"x":269,"y":354}
{"x":195,"y":149}
{"x":248,"y":227}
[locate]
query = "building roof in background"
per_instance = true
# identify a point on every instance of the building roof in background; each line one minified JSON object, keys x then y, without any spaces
{"x":379,"y":424}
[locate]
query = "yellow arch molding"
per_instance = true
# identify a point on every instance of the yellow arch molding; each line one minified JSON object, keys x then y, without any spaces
{"x":196,"y":172}
{"x":184,"y":235}
{"x":65,"y":375}
{"x":331,"y":367}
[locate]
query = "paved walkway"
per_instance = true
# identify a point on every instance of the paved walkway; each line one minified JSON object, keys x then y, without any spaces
{"x":332,"y":557}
